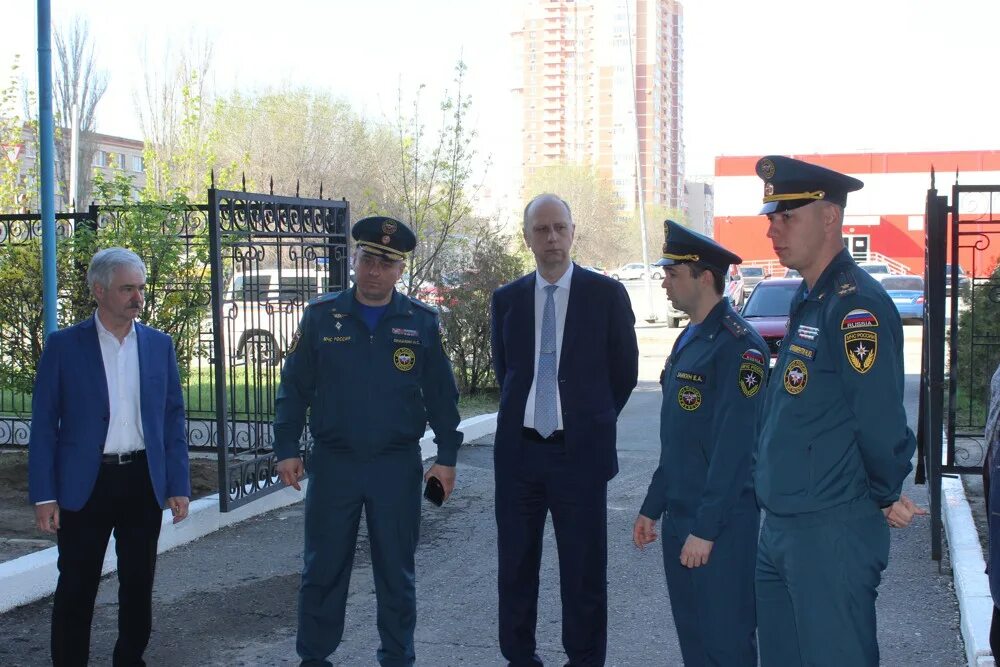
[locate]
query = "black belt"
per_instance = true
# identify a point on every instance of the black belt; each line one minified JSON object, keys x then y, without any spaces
{"x":123,"y":458}
{"x":532,"y":435}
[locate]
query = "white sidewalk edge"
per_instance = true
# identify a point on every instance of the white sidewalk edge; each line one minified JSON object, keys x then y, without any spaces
{"x":33,"y":576}
{"x":972,"y":587}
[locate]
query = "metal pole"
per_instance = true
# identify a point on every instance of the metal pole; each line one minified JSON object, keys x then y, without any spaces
{"x":638,"y":171}
{"x":46,"y":163}
{"x":74,"y":157}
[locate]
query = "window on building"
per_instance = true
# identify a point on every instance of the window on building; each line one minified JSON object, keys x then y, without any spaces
{"x":120,"y":160}
{"x":100,"y":159}
{"x":137,"y":164}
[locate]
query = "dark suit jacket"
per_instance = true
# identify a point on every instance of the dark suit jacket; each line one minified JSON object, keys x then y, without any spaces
{"x":598,"y":365}
{"x":70,"y":413}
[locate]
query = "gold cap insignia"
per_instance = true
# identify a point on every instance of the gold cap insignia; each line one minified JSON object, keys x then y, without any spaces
{"x":765,"y":169}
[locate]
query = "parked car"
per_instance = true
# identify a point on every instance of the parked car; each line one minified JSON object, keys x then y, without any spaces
{"x":431,"y":293}
{"x":768,"y":308}
{"x":963,"y":280}
{"x":674,"y":316}
{"x":907,"y":292}
{"x":734,"y":288}
{"x":261,"y":311}
{"x":751,"y":276}
{"x":597,"y":269}
{"x":875,"y":268}
{"x":792,"y":273}
{"x":635,"y":271}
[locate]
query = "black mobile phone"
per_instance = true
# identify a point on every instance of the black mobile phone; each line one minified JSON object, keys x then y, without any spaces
{"x":434,"y":492}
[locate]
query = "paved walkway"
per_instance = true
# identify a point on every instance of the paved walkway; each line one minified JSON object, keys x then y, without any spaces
{"x":229,"y":598}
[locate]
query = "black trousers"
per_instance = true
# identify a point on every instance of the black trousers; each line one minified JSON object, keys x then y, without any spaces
{"x":546,"y":479}
{"x":122,"y":501}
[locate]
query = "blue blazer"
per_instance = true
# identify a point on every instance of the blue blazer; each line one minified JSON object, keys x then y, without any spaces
{"x":598,"y":366}
{"x":70,"y":413}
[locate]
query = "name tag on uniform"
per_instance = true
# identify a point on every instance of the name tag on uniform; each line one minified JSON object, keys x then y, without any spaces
{"x":802,"y":351}
{"x":688,"y":376}
{"x":406,"y":341}
{"x":336,"y":339}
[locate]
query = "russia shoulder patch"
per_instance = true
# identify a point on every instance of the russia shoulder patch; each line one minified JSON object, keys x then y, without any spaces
{"x":859,"y":318}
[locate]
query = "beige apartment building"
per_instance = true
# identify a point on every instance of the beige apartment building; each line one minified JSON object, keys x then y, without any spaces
{"x":592,"y":74}
{"x":102,"y":152}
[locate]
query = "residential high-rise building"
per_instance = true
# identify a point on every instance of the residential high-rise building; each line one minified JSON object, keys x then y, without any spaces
{"x":593,"y":75}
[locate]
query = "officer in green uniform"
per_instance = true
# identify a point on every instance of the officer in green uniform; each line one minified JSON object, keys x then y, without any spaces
{"x":368,"y":365}
{"x":713,"y":390}
{"x":834,"y":446}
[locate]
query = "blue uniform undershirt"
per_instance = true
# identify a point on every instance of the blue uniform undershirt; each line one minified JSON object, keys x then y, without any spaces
{"x":687,"y":335}
{"x":372,"y":314}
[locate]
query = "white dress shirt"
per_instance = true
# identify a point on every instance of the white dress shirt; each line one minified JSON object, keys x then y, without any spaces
{"x":121,"y":369}
{"x":561,"y":298}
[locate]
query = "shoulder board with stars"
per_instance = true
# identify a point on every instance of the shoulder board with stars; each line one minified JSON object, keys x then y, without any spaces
{"x":423,"y":306}
{"x":735,"y":326}
{"x":323,"y":298}
{"x":846,"y":285}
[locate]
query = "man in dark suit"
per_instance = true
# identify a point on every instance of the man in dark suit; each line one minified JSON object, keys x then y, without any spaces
{"x":108,"y":451}
{"x":566,"y":360}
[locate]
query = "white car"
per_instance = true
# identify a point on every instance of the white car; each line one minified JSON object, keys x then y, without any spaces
{"x":261,"y":311}
{"x":636,"y":271}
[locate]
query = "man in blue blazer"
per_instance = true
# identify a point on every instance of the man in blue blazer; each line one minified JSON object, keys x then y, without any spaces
{"x":566,"y":360}
{"x":108,"y":451}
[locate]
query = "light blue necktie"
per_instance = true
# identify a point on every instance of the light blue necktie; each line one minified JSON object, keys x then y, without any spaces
{"x":546,"y":419}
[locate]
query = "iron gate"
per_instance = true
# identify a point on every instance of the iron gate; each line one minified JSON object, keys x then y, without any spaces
{"x":270,"y":256}
{"x":961,"y":335}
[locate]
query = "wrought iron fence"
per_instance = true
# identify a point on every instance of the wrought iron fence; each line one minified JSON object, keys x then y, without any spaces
{"x":961,"y":354}
{"x":244,"y":267}
{"x":270,"y":256}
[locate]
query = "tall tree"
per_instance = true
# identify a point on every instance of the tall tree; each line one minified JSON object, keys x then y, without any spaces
{"x":174,"y":112}
{"x":78,"y":82}
{"x":430,"y":185}
{"x":655,"y":215}
{"x":18,"y":192}
{"x":601,"y":229}
{"x":298,"y":138}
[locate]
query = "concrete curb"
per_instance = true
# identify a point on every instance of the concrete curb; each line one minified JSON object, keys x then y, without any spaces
{"x":33,"y":576}
{"x":972,"y":587}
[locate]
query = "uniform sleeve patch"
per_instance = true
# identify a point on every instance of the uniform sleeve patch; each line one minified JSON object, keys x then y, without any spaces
{"x":751,"y":378}
{"x":754,"y":355}
{"x":861,"y":348}
{"x":688,"y":376}
{"x":859,"y":318}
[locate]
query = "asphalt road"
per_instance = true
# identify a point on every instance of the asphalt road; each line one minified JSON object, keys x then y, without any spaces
{"x":229,"y":598}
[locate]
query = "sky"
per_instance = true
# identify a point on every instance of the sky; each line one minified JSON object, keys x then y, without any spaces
{"x":761,"y":76}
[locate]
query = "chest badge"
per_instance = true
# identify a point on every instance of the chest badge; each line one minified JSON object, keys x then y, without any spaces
{"x":689,"y":398}
{"x":404,"y":358}
{"x":861,"y":348}
{"x":338,"y":326}
{"x":796,"y":377}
